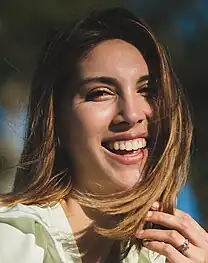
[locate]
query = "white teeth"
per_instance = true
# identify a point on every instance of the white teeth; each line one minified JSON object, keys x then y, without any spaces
{"x":116,"y":146}
{"x":128,"y":145}
{"x":144,"y":143}
{"x":140,"y":144}
{"x":135,"y":145}
{"x":122,"y":145}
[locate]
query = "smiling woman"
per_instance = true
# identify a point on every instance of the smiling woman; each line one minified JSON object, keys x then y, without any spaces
{"x":109,"y":134}
{"x":109,"y":109}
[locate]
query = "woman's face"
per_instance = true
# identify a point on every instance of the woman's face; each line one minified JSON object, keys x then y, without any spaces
{"x":106,"y":121}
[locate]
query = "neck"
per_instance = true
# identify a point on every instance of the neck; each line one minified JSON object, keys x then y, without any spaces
{"x":94,"y":247}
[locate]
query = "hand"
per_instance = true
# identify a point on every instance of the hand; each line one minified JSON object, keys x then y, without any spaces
{"x":170,"y":242}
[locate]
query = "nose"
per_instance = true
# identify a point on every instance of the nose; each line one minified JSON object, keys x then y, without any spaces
{"x":131,"y":111}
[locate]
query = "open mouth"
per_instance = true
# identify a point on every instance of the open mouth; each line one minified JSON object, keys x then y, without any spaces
{"x":127,"y":147}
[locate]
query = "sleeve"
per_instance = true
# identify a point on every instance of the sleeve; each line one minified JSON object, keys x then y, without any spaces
{"x":16,"y":246}
{"x":148,"y":256}
{"x":144,"y":256}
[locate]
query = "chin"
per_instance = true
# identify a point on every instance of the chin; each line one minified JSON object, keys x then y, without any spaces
{"x":120,"y":180}
{"x":128,"y":181}
{"x":124,"y":176}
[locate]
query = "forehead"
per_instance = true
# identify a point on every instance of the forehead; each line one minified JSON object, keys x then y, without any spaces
{"x":114,"y":57}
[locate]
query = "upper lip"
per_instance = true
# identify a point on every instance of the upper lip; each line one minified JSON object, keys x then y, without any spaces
{"x":126,"y":136}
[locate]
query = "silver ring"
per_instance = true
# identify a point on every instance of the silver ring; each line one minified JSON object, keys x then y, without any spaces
{"x":184,"y":246}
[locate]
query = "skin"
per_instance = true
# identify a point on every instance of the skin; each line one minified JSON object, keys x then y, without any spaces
{"x":182,"y":226}
{"x":118,"y":109}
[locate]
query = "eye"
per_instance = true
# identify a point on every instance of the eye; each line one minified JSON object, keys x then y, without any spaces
{"x":148,"y":91}
{"x":99,"y":95}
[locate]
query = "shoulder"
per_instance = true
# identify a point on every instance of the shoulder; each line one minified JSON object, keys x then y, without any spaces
{"x":17,"y":245}
{"x":24,"y":236}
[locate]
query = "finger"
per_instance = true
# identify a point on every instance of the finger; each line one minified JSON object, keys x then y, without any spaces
{"x":168,"y":251}
{"x":201,"y":232}
{"x":180,"y":224}
{"x":155,"y":206}
{"x":182,"y":214}
{"x":171,"y":237}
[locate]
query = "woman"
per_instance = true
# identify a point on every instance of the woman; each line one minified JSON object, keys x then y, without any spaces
{"x":106,"y":152}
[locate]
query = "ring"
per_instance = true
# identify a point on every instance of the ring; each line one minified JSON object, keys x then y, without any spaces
{"x":184,"y":246}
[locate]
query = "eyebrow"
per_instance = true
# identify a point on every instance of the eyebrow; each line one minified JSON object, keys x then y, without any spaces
{"x":109,"y":80}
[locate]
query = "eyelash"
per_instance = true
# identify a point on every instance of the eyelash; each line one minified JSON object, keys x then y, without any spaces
{"x":97,"y":93}
{"x":147,"y":92}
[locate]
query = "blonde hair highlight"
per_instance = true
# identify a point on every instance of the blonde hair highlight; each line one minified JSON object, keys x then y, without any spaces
{"x":46,"y":184}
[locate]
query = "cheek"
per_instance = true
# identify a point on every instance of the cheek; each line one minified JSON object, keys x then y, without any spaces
{"x":92,"y":120}
{"x":146,"y":107}
{"x":149,"y":110}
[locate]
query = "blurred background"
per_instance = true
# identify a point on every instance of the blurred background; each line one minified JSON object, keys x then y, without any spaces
{"x":182,"y":26}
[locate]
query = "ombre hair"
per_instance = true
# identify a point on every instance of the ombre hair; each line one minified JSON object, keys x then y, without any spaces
{"x":45,"y":172}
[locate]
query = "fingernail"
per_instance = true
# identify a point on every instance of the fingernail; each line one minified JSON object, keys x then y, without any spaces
{"x":146,"y":241}
{"x":149,"y":214}
{"x":155,"y":205}
{"x":139,"y":233}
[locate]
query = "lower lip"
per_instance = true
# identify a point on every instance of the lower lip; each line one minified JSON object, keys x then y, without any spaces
{"x":128,"y":159}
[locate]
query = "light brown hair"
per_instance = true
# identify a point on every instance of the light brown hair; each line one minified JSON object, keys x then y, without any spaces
{"x":44,"y":175}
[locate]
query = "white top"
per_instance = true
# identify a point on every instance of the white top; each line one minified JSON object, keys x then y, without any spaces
{"x":16,"y":246}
